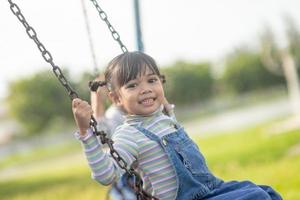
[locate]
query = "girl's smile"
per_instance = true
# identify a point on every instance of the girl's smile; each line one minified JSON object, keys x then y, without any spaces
{"x":147,"y":101}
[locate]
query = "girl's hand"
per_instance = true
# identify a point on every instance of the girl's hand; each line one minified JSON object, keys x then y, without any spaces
{"x":82,"y":112}
{"x":167,"y":106}
{"x":98,"y":101}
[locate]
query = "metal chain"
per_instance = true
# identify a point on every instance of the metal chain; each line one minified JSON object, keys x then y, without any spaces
{"x":114,"y":33}
{"x":88,"y":31}
{"x":45,"y":53}
{"x":141,"y":194}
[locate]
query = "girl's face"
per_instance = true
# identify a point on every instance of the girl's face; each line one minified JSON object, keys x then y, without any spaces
{"x":141,"y":96}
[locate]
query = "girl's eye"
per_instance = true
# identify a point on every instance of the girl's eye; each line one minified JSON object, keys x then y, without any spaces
{"x":152,"y":80}
{"x":131,"y":85}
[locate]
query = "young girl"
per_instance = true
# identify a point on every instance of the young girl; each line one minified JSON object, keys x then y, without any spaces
{"x":169,"y":162}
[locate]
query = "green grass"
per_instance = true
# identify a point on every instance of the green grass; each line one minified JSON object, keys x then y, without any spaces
{"x":38,"y":154}
{"x":248,"y":154}
{"x":65,"y":177}
{"x":258,"y":156}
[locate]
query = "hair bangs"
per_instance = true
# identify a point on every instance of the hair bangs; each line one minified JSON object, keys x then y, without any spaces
{"x":129,"y":66}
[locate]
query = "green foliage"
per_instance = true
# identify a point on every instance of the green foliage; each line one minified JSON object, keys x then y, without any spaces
{"x":38,"y":100}
{"x":82,"y":85}
{"x":244,"y":71}
{"x":188,"y":82}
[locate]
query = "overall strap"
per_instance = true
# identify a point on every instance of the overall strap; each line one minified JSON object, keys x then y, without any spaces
{"x":148,"y":133}
{"x":152,"y":136}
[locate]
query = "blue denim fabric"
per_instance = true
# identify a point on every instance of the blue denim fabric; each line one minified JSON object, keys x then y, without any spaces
{"x":121,"y":190}
{"x":195,"y":181}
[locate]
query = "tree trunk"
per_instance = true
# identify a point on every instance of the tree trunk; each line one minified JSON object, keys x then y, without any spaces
{"x":292,"y":79}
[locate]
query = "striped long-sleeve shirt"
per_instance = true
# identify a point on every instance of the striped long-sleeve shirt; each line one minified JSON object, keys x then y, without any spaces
{"x":153,"y":164}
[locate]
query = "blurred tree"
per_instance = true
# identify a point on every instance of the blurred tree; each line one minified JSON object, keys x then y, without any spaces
{"x":244,"y":71}
{"x":38,"y":100}
{"x":283,"y":61}
{"x":270,"y":53}
{"x":82,"y":85}
{"x":293,"y":37}
{"x":188,"y":82}
{"x":291,"y":61}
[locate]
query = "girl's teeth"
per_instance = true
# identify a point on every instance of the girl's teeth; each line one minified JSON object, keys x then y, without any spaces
{"x":147,"y":101}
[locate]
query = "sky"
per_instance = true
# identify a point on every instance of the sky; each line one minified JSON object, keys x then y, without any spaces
{"x":194,"y":30}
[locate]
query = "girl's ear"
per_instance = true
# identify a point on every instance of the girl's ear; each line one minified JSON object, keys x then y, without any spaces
{"x":114,"y":97}
{"x":162,"y":78}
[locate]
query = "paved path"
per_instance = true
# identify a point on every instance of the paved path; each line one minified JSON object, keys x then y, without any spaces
{"x":239,"y":118}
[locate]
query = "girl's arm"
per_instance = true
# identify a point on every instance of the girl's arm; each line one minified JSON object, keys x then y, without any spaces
{"x":107,"y":120}
{"x":104,"y":169}
{"x":98,"y":100}
{"x":97,"y":104}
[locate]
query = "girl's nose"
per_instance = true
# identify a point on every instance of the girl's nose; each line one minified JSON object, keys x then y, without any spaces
{"x":145,"y":88}
{"x":146,"y":91}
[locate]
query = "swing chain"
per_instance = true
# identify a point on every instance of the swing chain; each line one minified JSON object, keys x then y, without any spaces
{"x":138,"y":183}
{"x":114,"y":33}
{"x":95,"y":84}
{"x":45,"y":53}
{"x":141,"y":194}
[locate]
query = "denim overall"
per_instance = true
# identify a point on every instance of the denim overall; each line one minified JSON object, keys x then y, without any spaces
{"x":121,"y":190}
{"x":195,"y":181}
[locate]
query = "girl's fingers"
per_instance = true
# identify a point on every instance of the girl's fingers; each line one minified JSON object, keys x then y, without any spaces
{"x":79,"y":103}
{"x":80,"y":106}
{"x":76,"y":102}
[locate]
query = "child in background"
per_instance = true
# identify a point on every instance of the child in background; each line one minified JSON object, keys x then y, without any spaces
{"x":169,"y":162}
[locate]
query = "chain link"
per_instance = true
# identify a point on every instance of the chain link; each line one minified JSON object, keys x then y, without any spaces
{"x":88,"y":31}
{"x":138,"y":186}
{"x":45,"y":53}
{"x":114,"y":33}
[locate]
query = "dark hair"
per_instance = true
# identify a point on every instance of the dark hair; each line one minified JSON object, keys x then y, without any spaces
{"x":128,"y":66}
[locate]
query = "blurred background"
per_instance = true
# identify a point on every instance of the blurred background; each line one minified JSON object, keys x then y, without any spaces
{"x":232,"y":70}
